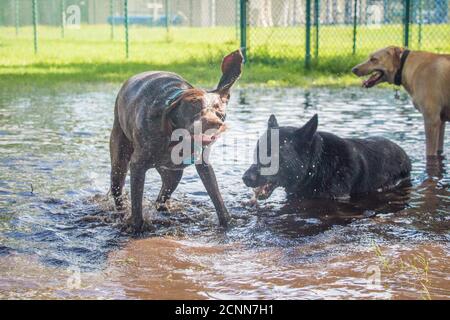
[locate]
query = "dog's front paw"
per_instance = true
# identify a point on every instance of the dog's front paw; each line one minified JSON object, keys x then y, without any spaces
{"x":132,"y":229}
{"x":133,"y":225}
{"x":121,"y":203}
{"x":162,"y":206}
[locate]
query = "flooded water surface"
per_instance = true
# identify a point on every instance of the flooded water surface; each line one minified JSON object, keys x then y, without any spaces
{"x":60,"y":236}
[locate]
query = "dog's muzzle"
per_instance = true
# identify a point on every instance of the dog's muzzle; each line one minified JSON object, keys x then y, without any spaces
{"x":250,"y":177}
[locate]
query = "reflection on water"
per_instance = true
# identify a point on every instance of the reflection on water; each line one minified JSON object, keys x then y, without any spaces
{"x":55,"y":216}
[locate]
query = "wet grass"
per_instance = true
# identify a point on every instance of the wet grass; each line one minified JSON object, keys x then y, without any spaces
{"x":89,"y":55}
{"x":414,"y":266}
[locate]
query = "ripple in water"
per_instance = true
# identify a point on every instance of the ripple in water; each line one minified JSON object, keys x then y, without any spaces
{"x":54,"y":177}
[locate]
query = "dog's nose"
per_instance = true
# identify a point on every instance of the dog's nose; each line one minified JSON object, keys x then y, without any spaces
{"x":249,"y":179}
{"x":355,"y":70}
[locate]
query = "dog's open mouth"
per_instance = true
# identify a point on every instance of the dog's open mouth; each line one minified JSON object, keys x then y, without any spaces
{"x":375,"y":78}
{"x":208,"y":137}
{"x":205,"y":139}
{"x":265,"y":191}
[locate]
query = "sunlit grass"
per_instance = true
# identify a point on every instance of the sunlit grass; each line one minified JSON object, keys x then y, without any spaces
{"x":276,"y":55}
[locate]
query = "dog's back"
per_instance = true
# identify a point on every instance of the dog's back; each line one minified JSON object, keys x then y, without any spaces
{"x":150,"y":89}
{"x":380,"y":163}
{"x":144,"y":97}
{"x":357,"y":166}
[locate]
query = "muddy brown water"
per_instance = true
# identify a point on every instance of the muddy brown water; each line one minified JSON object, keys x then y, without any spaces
{"x":61,"y":238}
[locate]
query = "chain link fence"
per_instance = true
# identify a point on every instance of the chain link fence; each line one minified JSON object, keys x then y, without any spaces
{"x":147,"y":13}
{"x":318,"y":33}
{"x":212,"y":24}
{"x":337,"y":31}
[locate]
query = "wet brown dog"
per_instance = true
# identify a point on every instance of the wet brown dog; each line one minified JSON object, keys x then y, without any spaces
{"x":426,"y":77}
{"x":149,"y":107}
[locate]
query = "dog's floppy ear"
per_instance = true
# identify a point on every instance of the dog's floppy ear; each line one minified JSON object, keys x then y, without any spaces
{"x":231,"y":70}
{"x":307,"y":132}
{"x":166,"y":122}
{"x":272,"y":123}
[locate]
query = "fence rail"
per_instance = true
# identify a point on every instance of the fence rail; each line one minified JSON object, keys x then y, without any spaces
{"x":307,"y":32}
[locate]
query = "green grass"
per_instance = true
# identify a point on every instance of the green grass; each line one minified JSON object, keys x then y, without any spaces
{"x":276,"y":55}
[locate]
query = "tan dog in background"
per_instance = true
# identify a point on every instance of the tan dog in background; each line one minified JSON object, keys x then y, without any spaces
{"x":426,"y":77}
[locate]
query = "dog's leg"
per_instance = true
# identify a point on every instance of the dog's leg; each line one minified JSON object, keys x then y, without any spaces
{"x":120,"y":151}
{"x":137,"y":180}
{"x":432,"y":129}
{"x":208,"y":178}
{"x":441,"y":138}
{"x":170,"y":180}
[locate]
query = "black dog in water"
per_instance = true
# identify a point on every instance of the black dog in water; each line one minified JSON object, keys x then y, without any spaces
{"x":321,"y":165}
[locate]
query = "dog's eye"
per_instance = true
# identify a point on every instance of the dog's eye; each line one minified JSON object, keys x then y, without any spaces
{"x":221,"y":116}
{"x":374,"y":60}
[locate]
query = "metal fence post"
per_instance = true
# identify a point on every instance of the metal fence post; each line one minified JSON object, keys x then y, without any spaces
{"x":16,"y":14}
{"x":111,"y":14}
{"x":166,"y":12}
{"x":317,"y":25}
{"x":210,"y":13}
{"x":35,"y":19}
{"x":243,"y":20}
{"x":94,"y":11}
{"x":407,"y":20}
{"x":355,"y":24}
{"x":191,"y":10}
{"x":308,"y":35}
{"x":420,"y":23}
{"x":63,"y":17}
{"x":236,"y":18}
{"x":126,"y":27}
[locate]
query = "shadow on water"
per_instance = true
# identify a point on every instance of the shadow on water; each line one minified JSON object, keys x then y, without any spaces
{"x":300,"y":217}
{"x":54,"y":177}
